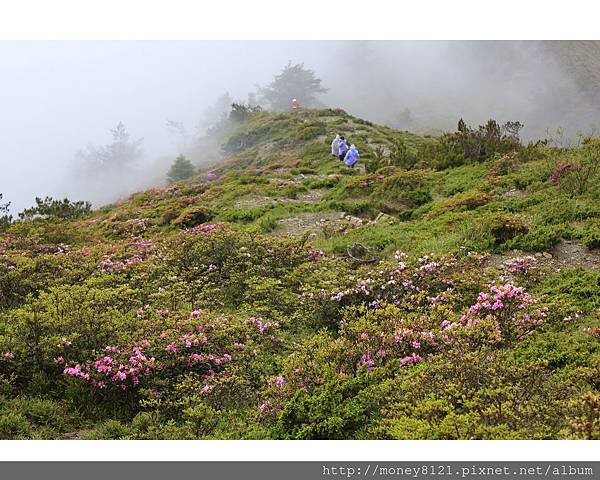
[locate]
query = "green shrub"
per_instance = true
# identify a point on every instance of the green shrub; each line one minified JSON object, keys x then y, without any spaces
{"x":57,"y":209}
{"x":409,"y":188}
{"x":468,"y":145}
{"x":465,"y":201}
{"x":110,"y":430}
{"x":245,"y":215}
{"x":473,"y":396}
{"x":506,"y":229}
{"x":310,"y":131}
{"x":589,"y":233}
{"x":194,"y":215}
{"x":334,"y":411}
{"x":577,"y":288}
{"x":462,"y":179}
{"x":581,"y":169}
{"x":539,"y":238}
{"x":14,"y":426}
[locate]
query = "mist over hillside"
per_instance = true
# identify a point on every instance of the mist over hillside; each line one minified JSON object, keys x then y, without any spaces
{"x":545,"y":86}
{"x":59,"y":97}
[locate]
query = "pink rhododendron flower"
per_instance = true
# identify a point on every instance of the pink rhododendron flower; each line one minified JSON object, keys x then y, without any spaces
{"x":279,"y":381}
{"x":411,"y":359}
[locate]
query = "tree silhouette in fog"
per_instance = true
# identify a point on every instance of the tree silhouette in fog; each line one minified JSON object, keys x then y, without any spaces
{"x":294,"y":81}
{"x":121,"y":154}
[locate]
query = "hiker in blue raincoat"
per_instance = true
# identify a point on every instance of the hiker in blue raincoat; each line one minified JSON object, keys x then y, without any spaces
{"x":352,"y":156}
{"x":342,"y":149}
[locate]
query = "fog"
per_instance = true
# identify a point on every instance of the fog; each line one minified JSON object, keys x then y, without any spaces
{"x":58,"y":97}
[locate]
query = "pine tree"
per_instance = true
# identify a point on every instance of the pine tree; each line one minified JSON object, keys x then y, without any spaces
{"x":181,"y":169}
{"x":5,"y":217}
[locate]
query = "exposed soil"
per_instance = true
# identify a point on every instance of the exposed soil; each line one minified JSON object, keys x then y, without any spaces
{"x":566,"y":255}
{"x":573,"y":254}
{"x":311,"y":196}
{"x":514,"y":193}
{"x":256,"y":201}
{"x":302,"y":222}
{"x":253,"y":201}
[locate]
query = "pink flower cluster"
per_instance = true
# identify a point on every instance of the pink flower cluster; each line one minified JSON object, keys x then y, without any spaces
{"x":396,"y":340}
{"x":143,"y":250}
{"x":410,"y":360}
{"x":208,"y":359}
{"x":108,"y":265}
{"x":560,"y":171}
{"x":177,"y":343}
{"x":316,"y":255}
{"x":427,"y":265}
{"x":108,"y":369}
{"x":365,"y":359}
{"x":260,"y":325}
{"x":206,"y":228}
{"x":363,"y":287}
{"x":521,"y":265}
{"x":401,"y":285}
{"x":187,"y":340}
{"x":506,"y":306}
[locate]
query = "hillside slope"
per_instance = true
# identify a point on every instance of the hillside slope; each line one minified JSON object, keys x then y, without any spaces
{"x":280,"y":294}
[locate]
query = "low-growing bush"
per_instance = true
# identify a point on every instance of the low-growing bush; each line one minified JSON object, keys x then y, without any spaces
{"x":58,"y":209}
{"x":310,"y":131}
{"x":193,"y":216}
{"x":589,"y":233}
{"x":539,"y":238}
{"x":581,"y":170}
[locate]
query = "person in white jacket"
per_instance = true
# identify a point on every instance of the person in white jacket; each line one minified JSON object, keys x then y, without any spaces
{"x":335,"y":145}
